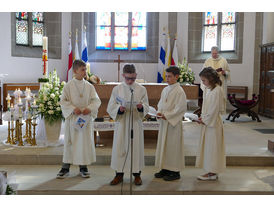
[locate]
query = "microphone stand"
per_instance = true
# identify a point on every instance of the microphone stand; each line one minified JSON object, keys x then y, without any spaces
{"x":131,"y":139}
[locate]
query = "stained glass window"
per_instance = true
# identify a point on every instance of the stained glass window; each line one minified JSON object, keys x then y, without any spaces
{"x":22,"y":26}
{"x":121,"y":28}
{"x":211,"y":18}
{"x":228,"y":36}
{"x":103,"y":31}
{"x":210,"y":37}
{"x":139,"y":30}
{"x":219,"y":30}
{"x":25,"y":25}
{"x":37,"y":28}
{"x":121,"y":31}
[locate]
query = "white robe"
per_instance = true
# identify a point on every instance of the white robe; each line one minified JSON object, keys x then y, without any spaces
{"x":170,"y":145}
{"x":211,"y":150}
{"x":79,"y":146}
{"x":220,"y":62}
{"x":121,"y":140}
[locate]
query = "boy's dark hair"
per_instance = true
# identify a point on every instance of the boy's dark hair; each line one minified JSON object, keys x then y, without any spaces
{"x":212,"y":76}
{"x":174,"y":70}
{"x":78,"y":63}
{"x":129,"y":68}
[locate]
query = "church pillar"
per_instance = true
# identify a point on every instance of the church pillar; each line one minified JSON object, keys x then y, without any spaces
{"x":257,"y":54}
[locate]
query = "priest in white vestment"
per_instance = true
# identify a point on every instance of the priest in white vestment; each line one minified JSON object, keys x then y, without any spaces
{"x":211,"y":150}
{"x":119,"y":110}
{"x":220,"y":64}
{"x":79,"y":101}
{"x":169,"y":155}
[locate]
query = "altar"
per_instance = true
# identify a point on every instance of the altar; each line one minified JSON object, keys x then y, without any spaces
{"x":153,"y":91}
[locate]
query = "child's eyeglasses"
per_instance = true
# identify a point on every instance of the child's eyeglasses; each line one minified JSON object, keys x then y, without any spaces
{"x":130,"y":78}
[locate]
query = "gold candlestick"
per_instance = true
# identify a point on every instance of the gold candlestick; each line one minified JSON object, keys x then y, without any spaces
{"x":12,"y":137}
{"x":8,"y":138}
{"x":26,"y":132}
{"x":16,"y":137}
{"x":29,"y":132}
{"x":33,"y":139}
{"x":20,"y":139}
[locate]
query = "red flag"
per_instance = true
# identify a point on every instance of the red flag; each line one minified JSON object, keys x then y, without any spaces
{"x":70,"y":61}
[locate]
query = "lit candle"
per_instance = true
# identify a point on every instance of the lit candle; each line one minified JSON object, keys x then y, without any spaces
{"x":8,"y":99}
{"x":88,"y":68}
{"x":19,"y":100}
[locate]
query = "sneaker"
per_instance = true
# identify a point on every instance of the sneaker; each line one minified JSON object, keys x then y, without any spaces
{"x":84,"y":173}
{"x":63,"y":173}
{"x":161,"y":174}
{"x":208,"y":177}
{"x":172,"y":176}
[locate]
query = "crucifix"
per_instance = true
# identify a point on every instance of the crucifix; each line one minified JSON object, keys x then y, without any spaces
{"x":119,"y":61}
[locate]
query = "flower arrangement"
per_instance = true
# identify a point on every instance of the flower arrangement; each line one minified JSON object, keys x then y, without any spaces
{"x":186,"y":74}
{"x":93,"y":79}
{"x":49,"y":97}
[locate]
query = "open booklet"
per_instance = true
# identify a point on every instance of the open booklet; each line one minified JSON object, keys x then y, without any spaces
{"x":81,"y":122}
{"x":191,"y":116}
{"x":152,"y":112}
{"x":125,"y":103}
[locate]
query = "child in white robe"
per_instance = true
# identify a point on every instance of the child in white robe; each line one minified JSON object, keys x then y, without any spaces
{"x":119,"y":111}
{"x":170,"y":145}
{"x":211,"y":152}
{"x":78,"y":98}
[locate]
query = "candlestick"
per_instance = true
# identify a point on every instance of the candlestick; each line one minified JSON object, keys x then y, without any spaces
{"x":8,"y":138}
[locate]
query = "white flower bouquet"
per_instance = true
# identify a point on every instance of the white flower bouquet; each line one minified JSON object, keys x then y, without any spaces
{"x":49,"y":99}
{"x":186,"y":74}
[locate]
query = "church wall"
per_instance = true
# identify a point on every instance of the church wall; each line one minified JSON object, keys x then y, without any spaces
{"x":25,"y":70}
{"x":22,"y":69}
{"x":241,"y":74}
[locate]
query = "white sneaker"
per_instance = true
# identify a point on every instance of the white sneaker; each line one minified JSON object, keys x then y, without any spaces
{"x":209,"y":177}
{"x":85,"y":174}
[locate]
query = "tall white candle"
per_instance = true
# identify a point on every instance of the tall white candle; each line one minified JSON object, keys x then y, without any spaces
{"x":88,"y":68}
{"x":45,"y":43}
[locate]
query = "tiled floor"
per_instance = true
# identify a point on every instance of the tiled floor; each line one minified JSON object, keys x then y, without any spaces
{"x":235,"y":180}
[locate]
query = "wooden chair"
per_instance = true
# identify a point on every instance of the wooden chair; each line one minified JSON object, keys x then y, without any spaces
{"x":243,"y":107}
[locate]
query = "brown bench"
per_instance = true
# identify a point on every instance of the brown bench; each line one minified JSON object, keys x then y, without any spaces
{"x":238,"y":90}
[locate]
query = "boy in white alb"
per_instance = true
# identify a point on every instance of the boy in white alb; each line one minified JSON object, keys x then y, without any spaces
{"x":78,"y":98}
{"x":170,"y":146}
{"x":120,"y":158}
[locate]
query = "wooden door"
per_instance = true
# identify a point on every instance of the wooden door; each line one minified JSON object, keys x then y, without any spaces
{"x":266,"y":106}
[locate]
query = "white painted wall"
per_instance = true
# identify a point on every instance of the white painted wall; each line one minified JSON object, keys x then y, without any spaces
{"x":22,"y":69}
{"x":268,"y":28}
